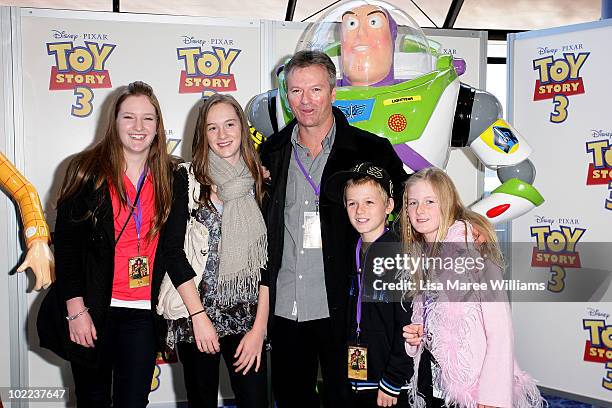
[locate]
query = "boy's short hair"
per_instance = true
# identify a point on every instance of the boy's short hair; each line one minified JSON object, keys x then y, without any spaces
{"x":363,"y":181}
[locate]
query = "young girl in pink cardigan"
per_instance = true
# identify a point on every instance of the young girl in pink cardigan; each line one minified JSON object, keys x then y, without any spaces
{"x":471,"y":340}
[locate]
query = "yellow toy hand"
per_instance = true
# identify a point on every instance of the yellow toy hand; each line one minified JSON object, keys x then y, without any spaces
{"x":40,"y":259}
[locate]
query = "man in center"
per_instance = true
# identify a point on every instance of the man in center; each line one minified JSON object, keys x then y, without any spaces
{"x":310,"y":239}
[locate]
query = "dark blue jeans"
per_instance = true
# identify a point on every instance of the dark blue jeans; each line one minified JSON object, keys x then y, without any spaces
{"x":127,"y":363}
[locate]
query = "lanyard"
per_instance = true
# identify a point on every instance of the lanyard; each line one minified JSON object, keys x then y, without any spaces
{"x":315,"y":188}
{"x":428,"y":300}
{"x":358,"y":263}
{"x":137,"y":212}
{"x":359,"y":283}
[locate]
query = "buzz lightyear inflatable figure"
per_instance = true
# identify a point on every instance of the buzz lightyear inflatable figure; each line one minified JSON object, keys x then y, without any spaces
{"x":395,"y":83}
{"x":39,"y":256}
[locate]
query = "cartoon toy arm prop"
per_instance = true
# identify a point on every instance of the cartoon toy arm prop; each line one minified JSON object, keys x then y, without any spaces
{"x":39,"y":256}
{"x":500,"y":147}
{"x":262,"y":114}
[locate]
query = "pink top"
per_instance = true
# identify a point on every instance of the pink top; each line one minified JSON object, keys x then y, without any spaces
{"x":472,"y":343}
{"x":126,"y":248}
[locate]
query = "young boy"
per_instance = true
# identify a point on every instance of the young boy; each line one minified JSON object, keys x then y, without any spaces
{"x":378,"y":366}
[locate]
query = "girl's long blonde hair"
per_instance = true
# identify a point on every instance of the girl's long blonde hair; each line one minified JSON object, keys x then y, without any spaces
{"x":451,"y":210}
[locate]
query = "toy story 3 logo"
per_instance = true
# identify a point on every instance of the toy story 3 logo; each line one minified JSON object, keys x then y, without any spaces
{"x":556,"y":248}
{"x":600,"y":165}
{"x":559,"y":77}
{"x":80,"y":68}
{"x":206,"y":70}
{"x":598,"y":347}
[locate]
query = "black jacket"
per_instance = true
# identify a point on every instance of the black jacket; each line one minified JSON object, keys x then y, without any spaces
{"x":84,"y":254}
{"x":351,"y":146}
{"x":383,"y":316}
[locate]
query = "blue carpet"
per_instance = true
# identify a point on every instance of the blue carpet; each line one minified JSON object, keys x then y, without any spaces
{"x":558,"y":402}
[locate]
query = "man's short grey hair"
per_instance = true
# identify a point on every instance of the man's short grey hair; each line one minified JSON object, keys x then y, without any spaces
{"x":307,"y":58}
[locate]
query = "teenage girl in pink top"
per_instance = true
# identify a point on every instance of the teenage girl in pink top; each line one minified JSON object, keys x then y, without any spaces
{"x":471,"y":341}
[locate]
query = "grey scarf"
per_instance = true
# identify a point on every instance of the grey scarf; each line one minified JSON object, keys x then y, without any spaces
{"x":244,"y":245}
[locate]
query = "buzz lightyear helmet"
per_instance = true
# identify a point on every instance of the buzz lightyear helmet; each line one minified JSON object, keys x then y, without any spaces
{"x":411,"y":53}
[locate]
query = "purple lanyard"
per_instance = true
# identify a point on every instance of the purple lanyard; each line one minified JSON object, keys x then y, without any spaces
{"x":137,"y":213}
{"x":358,"y":263}
{"x":315,"y":188}
{"x":359,"y":273}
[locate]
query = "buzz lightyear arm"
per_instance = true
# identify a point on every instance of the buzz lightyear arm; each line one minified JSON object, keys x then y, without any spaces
{"x":499,"y":147}
{"x":39,"y":256}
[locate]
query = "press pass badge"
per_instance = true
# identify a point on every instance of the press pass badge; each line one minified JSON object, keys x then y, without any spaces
{"x":138,"y":271}
{"x":357,"y":363}
{"x":312,"y":230}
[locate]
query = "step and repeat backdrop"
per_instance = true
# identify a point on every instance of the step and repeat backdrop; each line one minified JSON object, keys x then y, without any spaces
{"x":559,"y":92}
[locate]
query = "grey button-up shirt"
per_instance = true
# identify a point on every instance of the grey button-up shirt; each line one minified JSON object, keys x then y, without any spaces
{"x":300,"y":286}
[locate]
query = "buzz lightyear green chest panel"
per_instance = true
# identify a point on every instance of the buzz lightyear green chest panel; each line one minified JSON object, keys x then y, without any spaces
{"x":398,"y":112}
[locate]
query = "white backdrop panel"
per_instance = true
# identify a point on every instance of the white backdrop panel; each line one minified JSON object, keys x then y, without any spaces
{"x":563,"y":111}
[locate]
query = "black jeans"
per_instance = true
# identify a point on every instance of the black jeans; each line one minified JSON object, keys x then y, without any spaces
{"x":297,"y":349}
{"x":127,"y":363}
{"x":201,"y":373}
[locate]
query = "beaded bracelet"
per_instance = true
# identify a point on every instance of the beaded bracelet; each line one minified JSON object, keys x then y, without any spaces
{"x":71,"y":318}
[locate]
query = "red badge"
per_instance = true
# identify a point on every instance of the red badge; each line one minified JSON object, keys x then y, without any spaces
{"x":397,"y":122}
